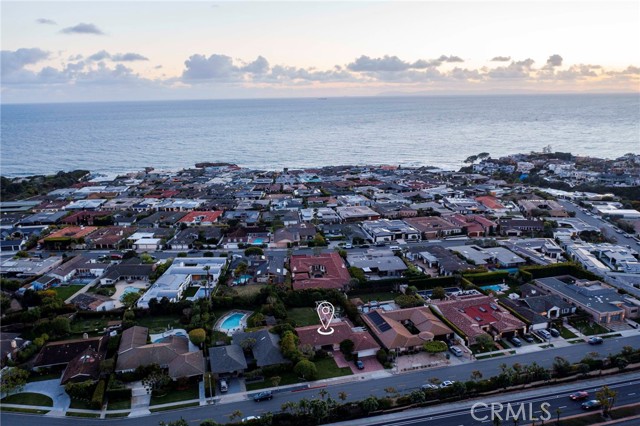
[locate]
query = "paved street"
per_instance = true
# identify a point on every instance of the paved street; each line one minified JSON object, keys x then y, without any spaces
{"x":355,"y":390}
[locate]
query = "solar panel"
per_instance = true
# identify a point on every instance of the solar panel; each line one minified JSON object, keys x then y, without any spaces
{"x":380,"y":322}
{"x":481,"y":309}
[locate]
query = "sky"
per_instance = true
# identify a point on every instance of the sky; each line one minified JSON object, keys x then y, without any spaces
{"x":67,"y":51}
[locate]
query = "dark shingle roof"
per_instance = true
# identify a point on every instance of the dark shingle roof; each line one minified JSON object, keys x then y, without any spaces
{"x":227,"y":359}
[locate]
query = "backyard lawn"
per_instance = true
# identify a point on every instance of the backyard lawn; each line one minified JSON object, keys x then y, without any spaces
{"x":121,"y":404}
{"x":378,"y":297}
{"x":159,"y":324}
{"x":66,"y":292}
{"x":190,"y":292}
{"x":303,"y":316}
{"x":28,"y":398}
{"x":88,"y":325}
{"x":176,"y":395}
{"x":248,"y":290}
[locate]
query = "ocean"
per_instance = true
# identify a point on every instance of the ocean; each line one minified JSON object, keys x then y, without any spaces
{"x":274,"y":133}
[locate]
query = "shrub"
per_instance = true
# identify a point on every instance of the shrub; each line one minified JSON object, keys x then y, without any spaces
{"x":98,"y":395}
{"x":382,"y":356}
{"x":306,"y":369}
{"x":197,"y":336}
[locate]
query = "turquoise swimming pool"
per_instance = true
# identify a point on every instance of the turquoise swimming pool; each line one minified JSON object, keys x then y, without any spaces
{"x":495,"y":287}
{"x":231,"y":322}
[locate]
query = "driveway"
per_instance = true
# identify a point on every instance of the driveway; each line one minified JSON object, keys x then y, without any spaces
{"x":53,"y":390}
{"x":371,"y":363}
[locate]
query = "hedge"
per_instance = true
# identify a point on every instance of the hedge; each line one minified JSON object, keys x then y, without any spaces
{"x":487,"y":277}
{"x":98,"y":395}
{"x":566,"y":268}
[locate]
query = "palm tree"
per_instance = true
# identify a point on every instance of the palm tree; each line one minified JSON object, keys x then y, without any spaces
{"x":476,"y":374}
{"x":235,"y":415}
{"x":342,"y":396}
{"x":558,"y":411}
{"x":323,"y":393}
{"x":206,"y":269}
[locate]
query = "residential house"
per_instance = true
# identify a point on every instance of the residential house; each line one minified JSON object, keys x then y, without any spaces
{"x":479,"y":315}
{"x":434,"y":227}
{"x":61,"y":353}
{"x":265,"y":347}
{"x":173,"y":353}
{"x":378,"y":264}
{"x":201,"y":218}
{"x":85,"y":366}
{"x":498,"y":256}
{"x":536,"y":208}
{"x":227,"y":361}
{"x":29,"y":267}
{"x":161,"y":219}
{"x":364,"y":344}
{"x":93,"y":302}
{"x":405,"y":329}
{"x":385,"y":230}
{"x":326,"y":270}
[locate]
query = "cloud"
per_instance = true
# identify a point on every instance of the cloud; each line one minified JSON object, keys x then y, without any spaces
{"x":445,"y":58}
{"x":199,"y":67}
{"x":128,"y":57}
{"x":515,"y":70}
{"x":82,"y":28}
{"x":117,"y":57}
{"x":16,"y":60}
{"x":501,"y":59}
{"x":387,"y":63}
{"x":554,"y":61}
{"x":259,"y":66}
{"x":46,"y":21}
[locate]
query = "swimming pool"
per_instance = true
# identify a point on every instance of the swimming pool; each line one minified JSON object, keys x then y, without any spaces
{"x":495,"y":287}
{"x":242,"y":279}
{"x":258,"y":241}
{"x":232,"y":322}
{"x":159,"y":338}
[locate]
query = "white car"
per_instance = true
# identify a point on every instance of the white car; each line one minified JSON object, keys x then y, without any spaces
{"x":248,"y":419}
{"x":447,"y":383}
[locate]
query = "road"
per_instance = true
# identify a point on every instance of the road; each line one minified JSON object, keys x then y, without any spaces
{"x":403,"y":383}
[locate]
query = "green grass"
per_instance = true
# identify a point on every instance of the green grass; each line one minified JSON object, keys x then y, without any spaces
{"x":190,"y":292}
{"x":80,"y":404}
{"x":123,"y":404}
{"x":249,"y":289}
{"x":90,"y":415}
{"x":378,"y":297}
{"x":88,"y":325}
{"x":158,"y":324}
{"x":175,"y":396}
{"x":327,"y":368}
{"x":67,"y":291}
{"x":476,"y":349}
{"x":23,"y":410}
{"x":112,"y":415}
{"x":41,"y":377}
{"x":175,"y":407}
{"x":303,"y":316}
{"x":589,"y":328}
{"x":566,"y":333}
{"x":28,"y":398}
{"x":490,"y":356}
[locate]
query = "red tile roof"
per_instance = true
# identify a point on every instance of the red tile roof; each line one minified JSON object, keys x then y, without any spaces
{"x":342,"y":330}
{"x":327,"y":270}
{"x":204,"y":216}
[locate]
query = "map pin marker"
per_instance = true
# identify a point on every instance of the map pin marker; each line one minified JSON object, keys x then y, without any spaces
{"x":325,"y":313}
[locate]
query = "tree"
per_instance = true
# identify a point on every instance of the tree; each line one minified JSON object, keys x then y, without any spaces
{"x":275,"y":381}
{"x":417,"y":396}
{"x":241,"y":269}
{"x":607,"y":398}
{"x":318,"y":240}
{"x":129,"y":299}
{"x":237,"y":414}
{"x":81,"y":390}
{"x":155,"y":378}
{"x":484,"y":341}
{"x":370,"y":404}
{"x":476,"y":375}
{"x":438,"y":293}
{"x":342,"y":396}
{"x":621,"y":362}
{"x":561,"y":366}
{"x":471,"y":159}
{"x":197,"y":336}
{"x":434,"y":346}
{"x":358,"y":274}
{"x":306,"y":369}
{"x":346,"y":347}
{"x":13,"y":380}
{"x":253,"y":251}
{"x":248,"y":343}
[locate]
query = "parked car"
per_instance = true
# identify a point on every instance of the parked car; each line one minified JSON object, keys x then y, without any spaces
{"x":263,"y":396}
{"x":348,"y":246}
{"x":516,"y":342}
{"x":528,"y":338}
{"x":591,"y":404}
{"x":223,"y":385}
{"x":595,"y":340}
{"x":364,"y":246}
{"x":456,"y":351}
{"x":395,"y":248}
{"x":544,"y":334}
{"x":577,"y":396}
{"x":360,"y":365}
{"x":429,"y":386}
{"x":554,"y":332}
{"x":447,"y":383}
{"x":250,"y":418}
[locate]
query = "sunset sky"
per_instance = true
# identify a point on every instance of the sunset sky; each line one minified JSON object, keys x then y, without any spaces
{"x":94,"y":51}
